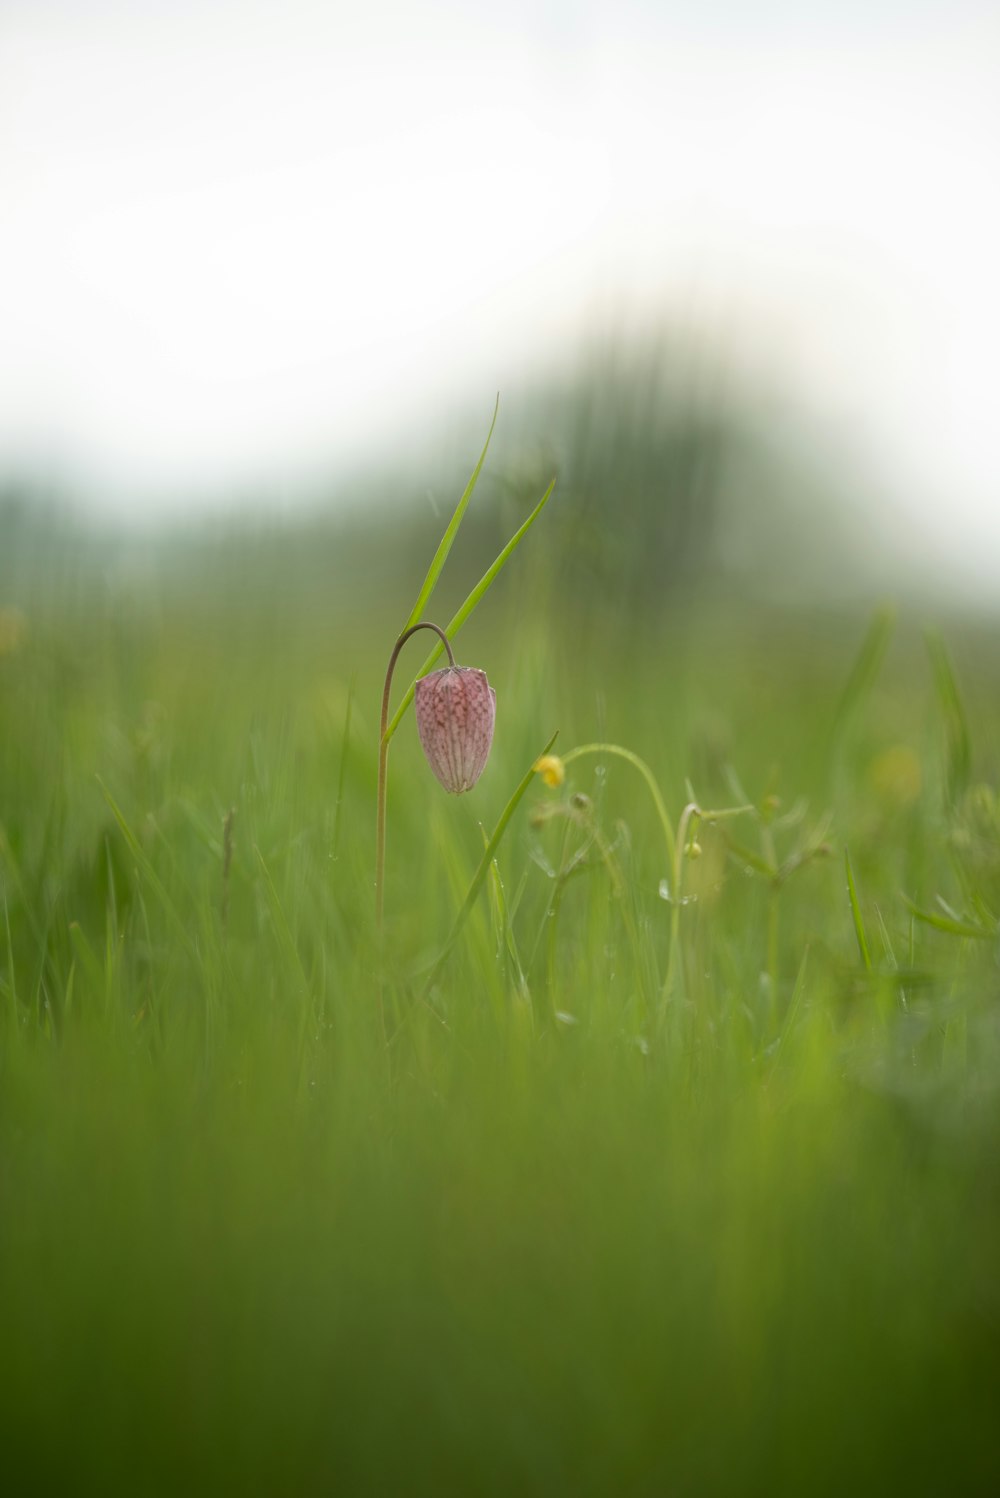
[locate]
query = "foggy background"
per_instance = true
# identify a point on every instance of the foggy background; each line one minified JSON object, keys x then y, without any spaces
{"x":738,"y":260}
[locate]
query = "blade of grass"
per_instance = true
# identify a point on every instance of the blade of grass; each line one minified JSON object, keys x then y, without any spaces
{"x":283,"y":932}
{"x":946,"y":923}
{"x":489,"y":853}
{"x":859,"y":925}
{"x":149,"y":874}
{"x":986,"y":915}
{"x":481,"y":588}
{"x":25,"y":904}
{"x":344,"y":744}
{"x":448,"y":539}
{"x":864,"y":671}
{"x":288,"y":947}
{"x":503,"y":936}
{"x":958,"y":748}
{"x":87,"y":957}
{"x":886,"y":939}
{"x":791,"y":1014}
{"x":12,"y":985}
{"x":67,"y":1003}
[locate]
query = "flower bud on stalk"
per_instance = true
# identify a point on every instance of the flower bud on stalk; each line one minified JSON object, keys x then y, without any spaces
{"x":456,"y":712}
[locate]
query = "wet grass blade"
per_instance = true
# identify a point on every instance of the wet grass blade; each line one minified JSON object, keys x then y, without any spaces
{"x":448,"y":539}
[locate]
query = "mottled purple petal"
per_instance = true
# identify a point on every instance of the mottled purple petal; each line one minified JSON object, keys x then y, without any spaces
{"x":456,"y":711}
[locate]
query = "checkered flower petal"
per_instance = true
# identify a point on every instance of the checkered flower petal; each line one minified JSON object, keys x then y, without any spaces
{"x":456,"y":711}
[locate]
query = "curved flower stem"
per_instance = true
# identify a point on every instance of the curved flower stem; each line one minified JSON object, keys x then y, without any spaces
{"x":383,"y":764}
{"x":691,"y":813}
{"x":647,"y":775}
{"x":675,"y":842}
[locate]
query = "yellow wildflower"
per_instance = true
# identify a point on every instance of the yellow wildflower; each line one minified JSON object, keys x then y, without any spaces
{"x":552,"y":770}
{"x":895,"y":775}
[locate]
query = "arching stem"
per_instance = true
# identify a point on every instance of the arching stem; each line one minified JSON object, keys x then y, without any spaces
{"x":676,"y":842}
{"x":383,"y":761}
{"x":648,"y":777}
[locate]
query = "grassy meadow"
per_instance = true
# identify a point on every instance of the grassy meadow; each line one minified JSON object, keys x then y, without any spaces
{"x":674,"y":1170}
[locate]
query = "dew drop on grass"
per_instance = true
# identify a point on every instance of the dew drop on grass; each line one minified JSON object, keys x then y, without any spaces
{"x":684,"y":899}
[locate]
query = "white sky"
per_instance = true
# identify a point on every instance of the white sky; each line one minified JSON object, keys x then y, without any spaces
{"x":238,"y":238}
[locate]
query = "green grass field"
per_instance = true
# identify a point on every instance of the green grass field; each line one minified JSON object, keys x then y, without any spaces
{"x":645,"y":1190}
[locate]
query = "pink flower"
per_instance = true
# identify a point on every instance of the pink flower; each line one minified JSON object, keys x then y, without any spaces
{"x":456,"y":710}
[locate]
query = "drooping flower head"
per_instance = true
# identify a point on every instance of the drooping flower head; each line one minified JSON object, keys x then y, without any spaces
{"x":456,"y":711}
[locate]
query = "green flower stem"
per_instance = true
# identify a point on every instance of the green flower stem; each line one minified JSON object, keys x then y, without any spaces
{"x":647,"y":775}
{"x":692,"y":813}
{"x":383,"y":770}
{"x":675,"y":842}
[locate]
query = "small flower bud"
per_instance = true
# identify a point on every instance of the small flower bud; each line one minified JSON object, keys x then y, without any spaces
{"x":456,"y":711}
{"x":769,"y":806}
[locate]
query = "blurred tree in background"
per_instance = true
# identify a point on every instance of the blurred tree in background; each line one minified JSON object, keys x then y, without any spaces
{"x":671,"y":485}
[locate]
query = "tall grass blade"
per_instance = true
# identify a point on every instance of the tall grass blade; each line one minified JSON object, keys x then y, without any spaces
{"x":489,"y":853}
{"x":86,"y":956}
{"x":12,"y":982}
{"x":25,"y":905}
{"x":283,"y":932}
{"x":952,"y":925}
{"x":344,"y":746}
{"x":958,"y":747}
{"x":448,"y":539}
{"x":149,"y":874}
{"x":482,"y":587}
{"x":864,"y":671}
{"x":503,"y":928}
{"x":859,"y":924}
{"x":792,"y":1013}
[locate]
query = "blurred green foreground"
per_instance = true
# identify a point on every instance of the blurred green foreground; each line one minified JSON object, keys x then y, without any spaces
{"x":566,"y":1227}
